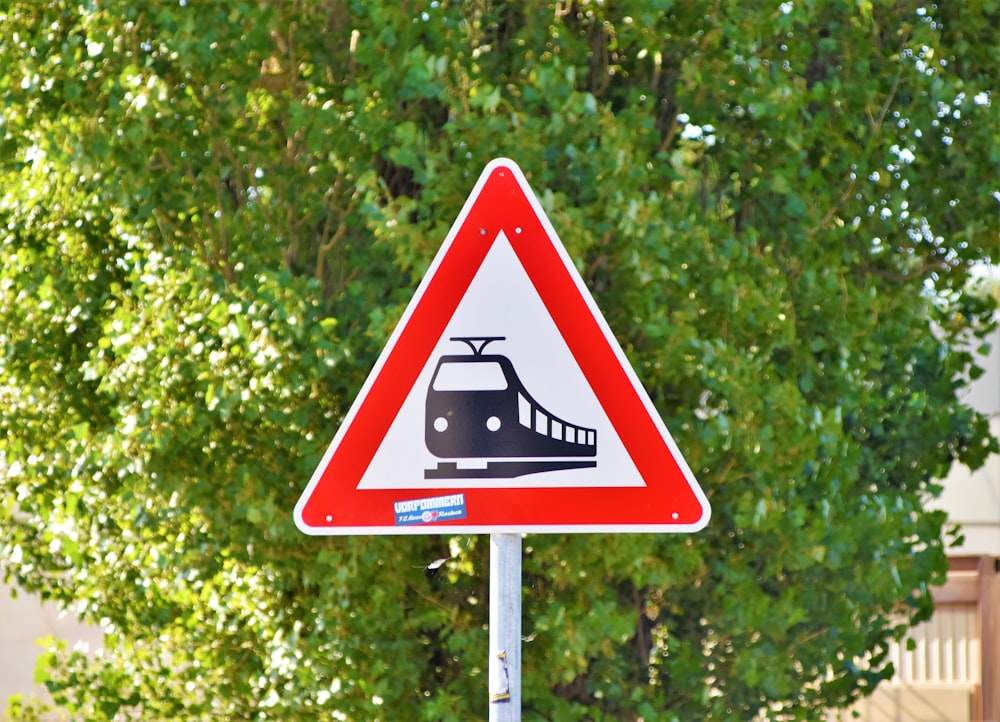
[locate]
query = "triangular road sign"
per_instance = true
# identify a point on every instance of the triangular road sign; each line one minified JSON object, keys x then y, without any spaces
{"x":502,"y":402}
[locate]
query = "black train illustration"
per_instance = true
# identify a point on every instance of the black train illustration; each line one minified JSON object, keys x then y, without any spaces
{"x":477,"y":408}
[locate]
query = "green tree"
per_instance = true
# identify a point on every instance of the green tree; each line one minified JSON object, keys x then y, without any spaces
{"x":212,"y":214}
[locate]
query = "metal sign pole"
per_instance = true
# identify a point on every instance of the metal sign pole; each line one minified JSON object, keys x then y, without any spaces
{"x":505,"y":628}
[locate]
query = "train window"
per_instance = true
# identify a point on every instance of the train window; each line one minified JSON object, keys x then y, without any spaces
{"x":541,"y":422}
{"x":523,"y":411}
{"x":590,"y":437}
{"x":556,"y":430}
{"x":466,"y":376}
{"x":571,"y":434}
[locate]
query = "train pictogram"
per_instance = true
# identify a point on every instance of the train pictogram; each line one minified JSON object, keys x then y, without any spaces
{"x":478,"y":409}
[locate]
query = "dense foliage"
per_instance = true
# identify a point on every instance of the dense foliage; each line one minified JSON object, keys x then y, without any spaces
{"x":212,"y":214}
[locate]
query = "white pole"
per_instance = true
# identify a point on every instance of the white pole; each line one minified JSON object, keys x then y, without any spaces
{"x":505,"y":628}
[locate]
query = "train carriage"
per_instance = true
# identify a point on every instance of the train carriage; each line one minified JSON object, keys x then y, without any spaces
{"x":478,"y":408}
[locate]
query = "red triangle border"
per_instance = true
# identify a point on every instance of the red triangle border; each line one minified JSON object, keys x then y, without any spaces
{"x":671,"y":501}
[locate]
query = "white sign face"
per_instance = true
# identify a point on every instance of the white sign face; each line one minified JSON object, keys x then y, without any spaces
{"x":502,"y":303}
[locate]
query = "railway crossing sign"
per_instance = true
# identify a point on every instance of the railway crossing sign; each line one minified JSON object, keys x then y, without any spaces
{"x":502,"y":402}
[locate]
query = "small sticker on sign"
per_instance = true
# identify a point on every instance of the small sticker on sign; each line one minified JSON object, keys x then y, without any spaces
{"x":428,"y":511}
